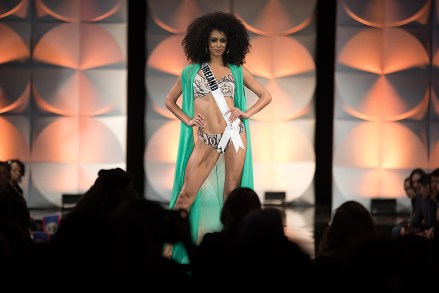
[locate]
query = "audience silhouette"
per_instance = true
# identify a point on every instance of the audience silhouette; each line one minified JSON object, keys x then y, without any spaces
{"x":15,"y":234}
{"x":414,"y":177}
{"x":13,"y":206}
{"x":387,"y":264}
{"x":139,"y":230}
{"x":268,"y":258}
{"x":218,"y":250}
{"x":17,"y":172}
{"x":114,"y":238}
{"x":351,"y":224}
{"x":84,"y":232}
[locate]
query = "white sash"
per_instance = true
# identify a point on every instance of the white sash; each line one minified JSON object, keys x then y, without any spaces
{"x":232,"y":129}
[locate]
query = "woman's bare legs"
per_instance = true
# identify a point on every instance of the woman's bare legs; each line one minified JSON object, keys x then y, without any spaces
{"x":200,"y":163}
{"x":198,"y":168}
{"x":234,"y":163}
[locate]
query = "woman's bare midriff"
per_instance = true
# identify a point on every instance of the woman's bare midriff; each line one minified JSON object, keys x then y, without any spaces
{"x":208,"y":108}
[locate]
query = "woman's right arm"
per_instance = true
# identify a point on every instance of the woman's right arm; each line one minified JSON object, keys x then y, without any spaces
{"x":171,"y":104}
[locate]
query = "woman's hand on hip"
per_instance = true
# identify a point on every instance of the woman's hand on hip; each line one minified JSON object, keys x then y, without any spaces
{"x":236,"y":113}
{"x":198,"y":120}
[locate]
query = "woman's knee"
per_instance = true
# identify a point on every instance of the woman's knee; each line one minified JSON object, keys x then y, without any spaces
{"x":184,"y":200}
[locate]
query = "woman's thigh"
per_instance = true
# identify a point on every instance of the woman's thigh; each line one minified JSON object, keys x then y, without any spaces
{"x":200,"y":163}
{"x":234,"y":163}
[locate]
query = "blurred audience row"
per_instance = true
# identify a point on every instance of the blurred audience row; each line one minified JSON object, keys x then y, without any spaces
{"x":114,"y":239}
{"x":423,"y":190}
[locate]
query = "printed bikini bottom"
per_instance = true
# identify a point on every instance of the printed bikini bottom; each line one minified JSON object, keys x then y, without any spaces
{"x":214,"y":139}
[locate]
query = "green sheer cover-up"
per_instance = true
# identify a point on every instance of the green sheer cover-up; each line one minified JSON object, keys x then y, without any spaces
{"x":204,"y":215}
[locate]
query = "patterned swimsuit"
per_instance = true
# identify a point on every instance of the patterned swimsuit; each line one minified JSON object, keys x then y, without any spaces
{"x":201,"y":89}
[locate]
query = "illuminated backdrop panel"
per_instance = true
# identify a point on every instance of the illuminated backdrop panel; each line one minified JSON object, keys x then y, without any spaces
{"x":63,"y":92}
{"x":385,"y":120}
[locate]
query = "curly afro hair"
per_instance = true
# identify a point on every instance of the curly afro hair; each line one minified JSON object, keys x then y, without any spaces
{"x":198,"y":33}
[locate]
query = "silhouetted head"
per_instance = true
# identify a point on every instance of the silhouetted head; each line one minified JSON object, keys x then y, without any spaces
{"x":351,"y":224}
{"x":263,"y":226}
{"x":5,"y":175}
{"x":111,"y":189}
{"x":238,"y":204}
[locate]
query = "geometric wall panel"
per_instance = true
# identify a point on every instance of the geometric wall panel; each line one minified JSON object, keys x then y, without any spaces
{"x":12,"y":44}
{"x":165,"y":58}
{"x":385,"y":13}
{"x":175,"y":15}
{"x":71,"y":178}
{"x":434,"y":102}
{"x":161,"y":156}
{"x":14,"y":137}
{"x":78,"y":11}
{"x":14,"y":89}
{"x":13,"y":8}
{"x":63,"y":92}
{"x":288,"y":165}
{"x":80,"y":92}
{"x":282,"y":17}
{"x":385,"y":118}
{"x":79,"y":46}
{"x":286,"y":107}
{"x":433,"y":146}
{"x":362,"y":184}
{"x":393,"y":97}
{"x":284,"y":75}
{"x":380,"y":145}
{"x":60,"y":140}
{"x":164,"y":65}
{"x":275,"y":60}
{"x":382,"y":51}
{"x":157,"y":84}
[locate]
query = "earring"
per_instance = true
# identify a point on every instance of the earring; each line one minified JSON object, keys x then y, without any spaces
{"x":207,"y":51}
{"x":228,"y":50}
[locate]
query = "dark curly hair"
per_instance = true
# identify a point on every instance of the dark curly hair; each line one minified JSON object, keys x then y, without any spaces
{"x":198,"y":33}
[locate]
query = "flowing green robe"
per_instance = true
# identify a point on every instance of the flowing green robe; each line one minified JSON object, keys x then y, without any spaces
{"x":204,"y":215}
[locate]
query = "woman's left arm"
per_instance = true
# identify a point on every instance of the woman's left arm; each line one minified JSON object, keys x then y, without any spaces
{"x":264,"y":97}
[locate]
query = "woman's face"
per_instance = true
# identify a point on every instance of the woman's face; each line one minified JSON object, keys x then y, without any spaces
{"x":16,"y":173}
{"x":415,"y":182}
{"x":217,"y":43}
{"x":408,"y":189}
